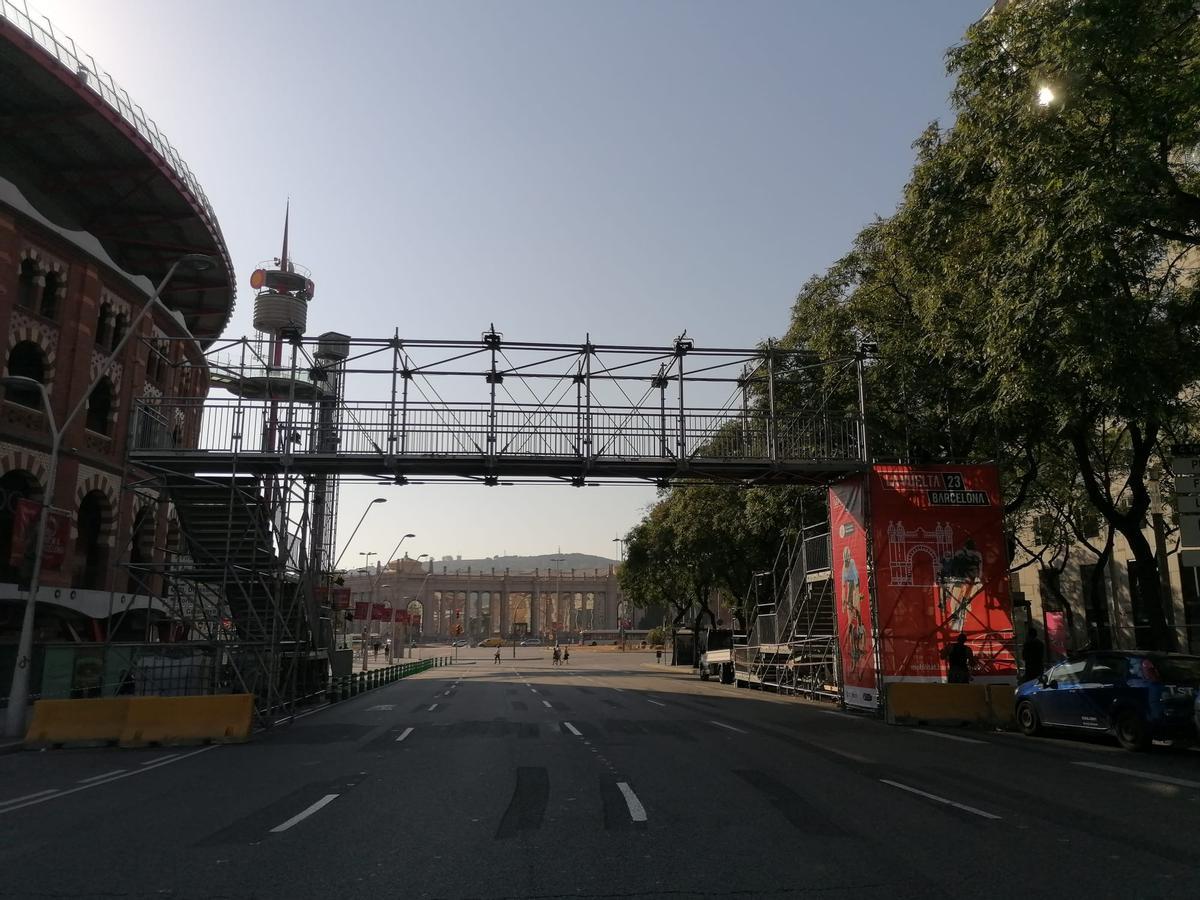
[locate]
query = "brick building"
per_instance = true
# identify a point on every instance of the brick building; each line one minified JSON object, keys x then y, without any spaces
{"x":95,"y":208}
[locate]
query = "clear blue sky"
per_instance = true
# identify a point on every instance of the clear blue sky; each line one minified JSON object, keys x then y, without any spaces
{"x":628,"y":169}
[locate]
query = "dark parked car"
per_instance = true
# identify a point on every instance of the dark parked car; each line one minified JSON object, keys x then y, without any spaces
{"x":1136,"y":696}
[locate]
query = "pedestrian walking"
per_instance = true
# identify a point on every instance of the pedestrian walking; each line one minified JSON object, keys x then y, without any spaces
{"x":556,"y":656}
{"x":566,"y":655}
{"x":1033,"y":652}
{"x":375,"y":649}
{"x":960,"y":657}
{"x":658,"y":655}
{"x":497,"y":656}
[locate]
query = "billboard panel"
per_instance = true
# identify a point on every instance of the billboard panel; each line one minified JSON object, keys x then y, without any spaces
{"x":847,"y":520}
{"x":941,"y":569}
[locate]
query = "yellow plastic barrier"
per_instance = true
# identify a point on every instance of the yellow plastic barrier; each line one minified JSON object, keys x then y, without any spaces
{"x":224,"y":718}
{"x":981,"y":704}
{"x":100,"y":719}
{"x":137,"y":721}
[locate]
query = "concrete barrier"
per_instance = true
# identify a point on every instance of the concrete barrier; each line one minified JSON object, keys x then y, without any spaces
{"x":98,"y":720}
{"x":990,"y":705}
{"x":138,"y":721}
{"x":222,"y":718}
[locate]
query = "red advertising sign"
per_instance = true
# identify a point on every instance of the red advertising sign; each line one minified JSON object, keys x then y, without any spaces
{"x":379,"y":612}
{"x":940,"y":570}
{"x":341,"y":598}
{"x":401,"y":616}
{"x":361,"y":609}
{"x":855,"y":633}
{"x":58,"y":535}
{"x":1057,"y":634}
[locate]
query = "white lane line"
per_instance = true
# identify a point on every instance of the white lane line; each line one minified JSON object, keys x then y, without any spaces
{"x":546,"y":703}
{"x":728,"y":727}
{"x":301,"y":716}
{"x":99,"y":777}
{"x":655,"y":702}
{"x":164,"y":762}
{"x":535,"y":690}
{"x":1149,"y":776}
{"x":432,"y":708}
{"x":943,"y":800}
{"x":637,"y":812}
{"x":948,"y":737}
{"x":571,"y":728}
{"x":619,"y":690}
{"x":161,"y":759}
{"x":29,"y":797}
{"x":304,"y":814}
{"x":845,"y":754}
{"x":404,"y":734}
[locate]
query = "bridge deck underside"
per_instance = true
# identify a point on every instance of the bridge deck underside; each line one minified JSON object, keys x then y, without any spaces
{"x":475,"y":467}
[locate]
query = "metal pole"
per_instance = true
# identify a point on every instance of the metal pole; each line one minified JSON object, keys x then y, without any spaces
{"x":862,"y":409}
{"x":391,"y":441}
{"x":14,"y":716}
{"x":771,"y":449}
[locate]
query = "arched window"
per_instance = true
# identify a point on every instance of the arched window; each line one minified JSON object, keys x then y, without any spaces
{"x":50,"y":288}
{"x":27,"y":285}
{"x":14,"y":486}
{"x":120,"y":326}
{"x":100,"y":405}
{"x":27,"y":360}
{"x":104,"y":325}
{"x":91,"y":554}
{"x":141,"y":551}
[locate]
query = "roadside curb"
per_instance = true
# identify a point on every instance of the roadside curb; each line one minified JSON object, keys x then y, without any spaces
{"x":12,"y":747}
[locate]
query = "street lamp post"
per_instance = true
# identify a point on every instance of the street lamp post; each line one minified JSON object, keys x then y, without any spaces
{"x":18,"y":698}
{"x":356,"y":527}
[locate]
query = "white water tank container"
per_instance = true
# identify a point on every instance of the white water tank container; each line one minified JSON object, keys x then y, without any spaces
{"x":333,"y":345}
{"x":280,"y":313}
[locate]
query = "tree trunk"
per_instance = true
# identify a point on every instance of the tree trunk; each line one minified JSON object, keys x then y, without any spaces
{"x":1150,"y":628}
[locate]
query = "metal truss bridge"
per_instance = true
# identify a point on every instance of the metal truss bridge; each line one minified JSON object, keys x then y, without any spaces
{"x":497,"y":411}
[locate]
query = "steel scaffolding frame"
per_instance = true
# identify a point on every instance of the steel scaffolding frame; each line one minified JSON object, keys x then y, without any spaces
{"x":253,"y":471}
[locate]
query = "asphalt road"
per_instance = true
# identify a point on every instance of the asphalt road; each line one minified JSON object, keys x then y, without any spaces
{"x":612,"y":777}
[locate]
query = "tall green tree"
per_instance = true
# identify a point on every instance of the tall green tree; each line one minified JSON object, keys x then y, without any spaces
{"x":1053,"y":223}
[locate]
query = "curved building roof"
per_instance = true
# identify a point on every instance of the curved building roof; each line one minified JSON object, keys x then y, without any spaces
{"x":90,"y":160}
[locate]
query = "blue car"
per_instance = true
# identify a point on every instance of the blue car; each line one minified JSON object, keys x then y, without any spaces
{"x":1136,"y":696}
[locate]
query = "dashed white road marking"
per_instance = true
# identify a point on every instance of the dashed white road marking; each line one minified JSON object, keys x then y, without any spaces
{"x":34,"y":800}
{"x":637,"y":812}
{"x":727,"y":727}
{"x":546,"y":703}
{"x":404,"y":734}
{"x":304,"y":814}
{"x":535,"y":690}
{"x":571,"y":728}
{"x":942,"y":800}
{"x":29,"y":797}
{"x":1149,"y":776}
{"x":655,"y":702}
{"x":432,"y":707}
{"x":949,"y":737}
{"x":99,"y":777}
{"x":845,"y":754}
{"x":381,"y":707}
{"x":161,"y":759}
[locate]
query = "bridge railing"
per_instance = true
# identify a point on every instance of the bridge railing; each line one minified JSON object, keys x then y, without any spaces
{"x":502,"y":430}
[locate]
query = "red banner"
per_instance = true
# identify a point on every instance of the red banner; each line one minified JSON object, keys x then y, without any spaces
{"x":401,"y":616}
{"x":855,"y":633}
{"x":941,"y":570}
{"x":379,"y":612}
{"x":24,"y":535}
{"x":341,"y":598}
{"x":361,"y":609}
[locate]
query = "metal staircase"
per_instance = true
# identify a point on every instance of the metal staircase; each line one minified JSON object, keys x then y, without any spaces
{"x":793,"y":643}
